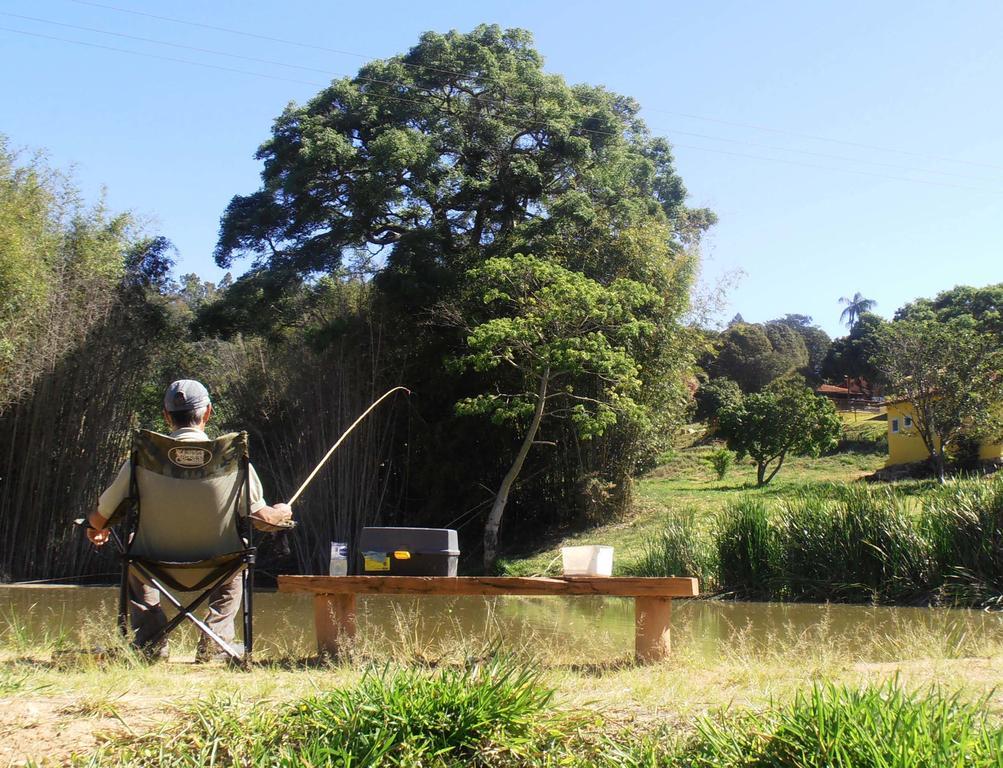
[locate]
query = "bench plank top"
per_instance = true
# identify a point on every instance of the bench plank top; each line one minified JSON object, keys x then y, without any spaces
{"x":491,"y":585}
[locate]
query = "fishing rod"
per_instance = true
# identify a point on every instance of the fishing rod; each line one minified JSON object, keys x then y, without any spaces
{"x":341,"y":439}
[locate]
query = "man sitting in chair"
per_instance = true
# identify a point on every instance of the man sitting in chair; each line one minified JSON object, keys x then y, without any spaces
{"x":187,"y":410}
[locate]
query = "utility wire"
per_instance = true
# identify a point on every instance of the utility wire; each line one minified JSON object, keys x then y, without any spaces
{"x":483,"y":78}
{"x":157,"y":56}
{"x":487,"y":102}
{"x":426,"y":105}
{"x":269,"y":38}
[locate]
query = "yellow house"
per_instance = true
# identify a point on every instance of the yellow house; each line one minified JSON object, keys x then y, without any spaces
{"x":905,"y":446}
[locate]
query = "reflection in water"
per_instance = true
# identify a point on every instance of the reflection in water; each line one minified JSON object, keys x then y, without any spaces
{"x":557,"y":628}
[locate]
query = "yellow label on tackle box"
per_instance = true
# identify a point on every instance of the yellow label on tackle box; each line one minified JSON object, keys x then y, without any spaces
{"x":376,"y":561}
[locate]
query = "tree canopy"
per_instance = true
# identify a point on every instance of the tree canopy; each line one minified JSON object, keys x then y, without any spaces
{"x":426,"y":163}
{"x":950,"y":373}
{"x":755,"y":355}
{"x":854,"y":308}
{"x":786,"y":418}
{"x":568,"y":343}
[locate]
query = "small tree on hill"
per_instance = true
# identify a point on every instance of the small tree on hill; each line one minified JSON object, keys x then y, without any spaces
{"x":786,"y":418}
{"x":562,"y":346}
{"x":950,"y":373}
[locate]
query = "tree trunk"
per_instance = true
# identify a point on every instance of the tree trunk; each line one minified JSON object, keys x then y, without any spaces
{"x":760,"y":473}
{"x":501,"y":498}
{"x":938,"y":463}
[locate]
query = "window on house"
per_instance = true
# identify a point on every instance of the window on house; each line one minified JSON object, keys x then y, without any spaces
{"x":895,"y":425}
{"x":908,"y":422}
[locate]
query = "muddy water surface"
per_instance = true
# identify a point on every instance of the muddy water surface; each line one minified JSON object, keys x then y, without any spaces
{"x":561,"y":628}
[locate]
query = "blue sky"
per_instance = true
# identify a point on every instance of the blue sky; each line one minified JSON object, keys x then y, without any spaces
{"x":903,"y":200}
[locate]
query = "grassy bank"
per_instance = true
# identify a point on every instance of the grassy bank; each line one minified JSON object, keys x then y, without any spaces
{"x":117,"y":710}
{"x":502,"y":713}
{"x":817,"y":533}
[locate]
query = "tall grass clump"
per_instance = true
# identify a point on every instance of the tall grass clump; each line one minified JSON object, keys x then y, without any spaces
{"x":837,"y":727}
{"x":491,"y":714}
{"x":681,"y":549}
{"x":963,"y":521}
{"x":747,"y":550}
{"x":850,"y":544}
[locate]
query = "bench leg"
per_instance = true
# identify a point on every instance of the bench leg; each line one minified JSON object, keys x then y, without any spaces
{"x":651,"y":628}
{"x":334,"y":619}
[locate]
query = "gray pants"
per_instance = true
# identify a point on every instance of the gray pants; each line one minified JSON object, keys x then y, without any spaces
{"x":147,"y":617}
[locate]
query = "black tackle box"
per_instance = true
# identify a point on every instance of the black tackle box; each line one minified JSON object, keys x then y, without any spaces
{"x":409,"y":551}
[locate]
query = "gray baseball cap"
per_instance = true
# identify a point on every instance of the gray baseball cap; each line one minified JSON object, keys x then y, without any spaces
{"x":185,"y":395}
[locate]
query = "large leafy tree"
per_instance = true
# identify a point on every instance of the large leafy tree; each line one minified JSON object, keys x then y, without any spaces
{"x":755,"y":355}
{"x":983,"y":305}
{"x":855,"y":354}
{"x":460,"y":149}
{"x":950,"y":373}
{"x":565,"y":345}
{"x":816,"y":341}
{"x":426,"y":165}
{"x":784,"y":419}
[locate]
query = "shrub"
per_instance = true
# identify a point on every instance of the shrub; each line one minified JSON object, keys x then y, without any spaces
{"x":721,"y":460}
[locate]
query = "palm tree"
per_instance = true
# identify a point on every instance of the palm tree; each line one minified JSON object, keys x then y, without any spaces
{"x":855,"y":307}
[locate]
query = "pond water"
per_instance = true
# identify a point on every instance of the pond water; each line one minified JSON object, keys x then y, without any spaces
{"x":579,"y":629}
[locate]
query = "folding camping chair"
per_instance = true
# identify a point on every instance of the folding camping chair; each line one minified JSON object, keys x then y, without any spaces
{"x":187,"y":529}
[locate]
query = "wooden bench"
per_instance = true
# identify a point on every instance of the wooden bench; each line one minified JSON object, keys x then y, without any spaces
{"x":334,"y":600}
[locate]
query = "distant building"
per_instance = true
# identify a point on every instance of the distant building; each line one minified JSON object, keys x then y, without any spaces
{"x":858,"y":393}
{"x":905,"y":446}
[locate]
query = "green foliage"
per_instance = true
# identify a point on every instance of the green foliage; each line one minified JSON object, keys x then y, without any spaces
{"x":412,"y":193}
{"x":678,"y":550}
{"x":816,"y":341}
{"x":949,"y":372}
{"x":885,"y":726}
{"x":855,"y":308}
{"x":547,"y":322}
{"x":855,"y":354}
{"x":466,"y":166}
{"x":850,"y":544}
{"x":721,"y":460}
{"x":786,"y":418}
{"x":962,"y":524}
{"x":498,"y":714}
{"x":747,"y":551}
{"x":755,"y":355}
{"x":984,"y":306}
{"x":714,"y":395}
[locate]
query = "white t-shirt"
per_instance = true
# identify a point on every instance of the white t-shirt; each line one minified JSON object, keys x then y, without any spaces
{"x":118,"y":491}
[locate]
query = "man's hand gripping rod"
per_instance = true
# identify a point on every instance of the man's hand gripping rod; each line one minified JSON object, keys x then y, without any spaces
{"x":340,"y":440}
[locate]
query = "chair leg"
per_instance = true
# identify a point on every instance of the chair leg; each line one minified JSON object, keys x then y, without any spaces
{"x":248,"y":607}
{"x":123,"y":602}
{"x":185,"y":612}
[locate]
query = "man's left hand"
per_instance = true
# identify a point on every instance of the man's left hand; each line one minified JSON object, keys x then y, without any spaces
{"x":98,"y":536}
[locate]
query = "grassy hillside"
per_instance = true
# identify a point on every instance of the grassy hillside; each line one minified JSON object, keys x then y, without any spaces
{"x":686,"y":485}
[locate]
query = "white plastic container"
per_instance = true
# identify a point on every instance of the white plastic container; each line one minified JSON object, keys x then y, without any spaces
{"x":589,"y":560}
{"x":339,"y":559}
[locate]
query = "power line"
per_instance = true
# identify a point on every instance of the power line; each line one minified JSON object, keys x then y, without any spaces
{"x":157,"y":56}
{"x":487,"y":102}
{"x":269,"y":38}
{"x":830,"y":140}
{"x":424,"y":104}
{"x":470,"y":76}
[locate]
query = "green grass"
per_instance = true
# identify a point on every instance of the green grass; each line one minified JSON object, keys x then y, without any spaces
{"x":686,"y":486}
{"x":836,"y":727}
{"x":504,"y":715}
